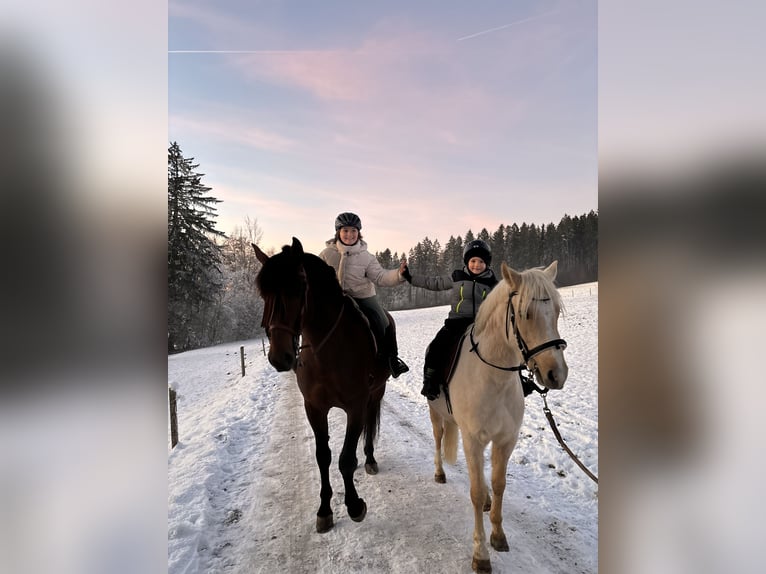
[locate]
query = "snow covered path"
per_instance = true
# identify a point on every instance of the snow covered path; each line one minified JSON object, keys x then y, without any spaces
{"x":244,"y":486}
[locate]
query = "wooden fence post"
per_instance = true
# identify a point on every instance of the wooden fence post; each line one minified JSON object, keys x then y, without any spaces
{"x":173,"y":418}
{"x":242,"y":359}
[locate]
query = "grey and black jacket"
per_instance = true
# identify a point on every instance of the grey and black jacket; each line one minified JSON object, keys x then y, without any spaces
{"x":468,"y":290}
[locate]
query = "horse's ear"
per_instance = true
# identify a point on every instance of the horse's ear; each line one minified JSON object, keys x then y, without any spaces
{"x":511,"y":275}
{"x":260,"y":255}
{"x":297,"y":247}
{"x":551,"y":270}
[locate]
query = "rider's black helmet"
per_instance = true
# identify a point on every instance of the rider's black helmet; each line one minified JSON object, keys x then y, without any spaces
{"x":477,"y":248}
{"x":348,"y":219}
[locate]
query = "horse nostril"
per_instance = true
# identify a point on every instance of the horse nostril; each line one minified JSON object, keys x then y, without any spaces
{"x":552,"y":376}
{"x":557,"y":377}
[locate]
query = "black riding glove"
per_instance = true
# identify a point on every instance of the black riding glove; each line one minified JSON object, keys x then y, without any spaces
{"x":406,"y":274}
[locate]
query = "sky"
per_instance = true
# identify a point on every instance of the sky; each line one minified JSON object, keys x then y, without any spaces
{"x":426,"y":119}
{"x":243,"y":483}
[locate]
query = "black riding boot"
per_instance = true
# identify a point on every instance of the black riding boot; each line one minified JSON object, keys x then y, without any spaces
{"x":431,"y":384}
{"x":396,"y":365}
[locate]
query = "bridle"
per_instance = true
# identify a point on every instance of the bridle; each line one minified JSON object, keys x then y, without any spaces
{"x":296,"y":331}
{"x":526,"y":352}
{"x":527,"y":383}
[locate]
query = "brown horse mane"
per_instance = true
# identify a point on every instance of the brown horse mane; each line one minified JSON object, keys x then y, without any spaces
{"x":281,"y":273}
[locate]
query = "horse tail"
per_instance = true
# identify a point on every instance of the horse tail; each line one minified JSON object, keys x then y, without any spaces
{"x":372,"y":421}
{"x":449,"y":442}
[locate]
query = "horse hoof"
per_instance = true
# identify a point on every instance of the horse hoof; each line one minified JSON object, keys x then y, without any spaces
{"x":440,"y":477}
{"x":499,"y":543}
{"x":371,"y":468}
{"x":324,"y":523}
{"x":487,"y":507}
{"x":362,"y":514}
{"x":482,"y":566}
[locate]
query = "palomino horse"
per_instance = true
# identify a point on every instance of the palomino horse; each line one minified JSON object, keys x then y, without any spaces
{"x":335,"y":365}
{"x":516,"y":327}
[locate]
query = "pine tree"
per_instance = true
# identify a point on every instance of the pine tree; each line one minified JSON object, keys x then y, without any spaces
{"x":453,"y":255}
{"x":497,"y":244}
{"x":194,"y":275}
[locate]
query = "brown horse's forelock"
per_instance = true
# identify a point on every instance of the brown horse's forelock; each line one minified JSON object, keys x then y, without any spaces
{"x":278,"y":273}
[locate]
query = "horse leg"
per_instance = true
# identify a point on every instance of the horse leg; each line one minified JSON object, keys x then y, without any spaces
{"x":371,"y":427}
{"x":357,"y":509}
{"x":318,"y":420}
{"x":437,"y":426}
{"x":474,"y":455}
{"x":500,"y":455}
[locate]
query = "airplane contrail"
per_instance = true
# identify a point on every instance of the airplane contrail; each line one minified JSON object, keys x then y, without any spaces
{"x":507,"y":25}
{"x":235,"y":51}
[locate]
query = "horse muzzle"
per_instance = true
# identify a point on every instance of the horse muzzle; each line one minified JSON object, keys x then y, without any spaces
{"x":283,"y":348}
{"x":551,"y":375}
{"x":281,"y":361}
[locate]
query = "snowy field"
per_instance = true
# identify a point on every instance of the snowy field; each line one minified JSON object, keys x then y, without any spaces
{"x":243,"y":485}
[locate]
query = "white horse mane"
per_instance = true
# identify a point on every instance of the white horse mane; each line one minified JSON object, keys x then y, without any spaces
{"x":534,"y":285}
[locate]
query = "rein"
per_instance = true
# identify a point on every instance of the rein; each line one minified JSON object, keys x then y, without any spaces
{"x":526,"y":353}
{"x":297,"y":333}
{"x":475,"y":349}
{"x":329,"y":333}
{"x":529,"y":386}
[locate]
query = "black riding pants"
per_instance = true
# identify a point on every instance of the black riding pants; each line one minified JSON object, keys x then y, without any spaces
{"x":438,"y":352}
{"x":371,"y":308}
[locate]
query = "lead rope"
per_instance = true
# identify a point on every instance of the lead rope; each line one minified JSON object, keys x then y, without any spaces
{"x":529,"y":385}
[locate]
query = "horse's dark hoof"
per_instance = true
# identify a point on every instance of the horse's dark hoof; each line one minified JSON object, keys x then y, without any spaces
{"x":371,"y":468}
{"x":499,"y":543}
{"x":362,"y":514}
{"x":481,"y":566}
{"x":324,"y":523}
{"x":440,"y":477}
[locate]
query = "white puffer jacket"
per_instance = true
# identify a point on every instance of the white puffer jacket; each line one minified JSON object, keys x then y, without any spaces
{"x":358,"y":269}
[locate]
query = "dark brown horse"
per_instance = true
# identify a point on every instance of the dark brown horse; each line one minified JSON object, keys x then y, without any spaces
{"x":335,"y":364}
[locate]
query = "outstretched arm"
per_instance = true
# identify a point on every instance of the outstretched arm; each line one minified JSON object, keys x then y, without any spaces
{"x":436,"y":283}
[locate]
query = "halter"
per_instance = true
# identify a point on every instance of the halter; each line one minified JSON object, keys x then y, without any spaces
{"x":526,"y":353}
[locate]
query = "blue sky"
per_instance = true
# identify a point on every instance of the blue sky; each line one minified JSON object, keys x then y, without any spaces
{"x":425,"y":118}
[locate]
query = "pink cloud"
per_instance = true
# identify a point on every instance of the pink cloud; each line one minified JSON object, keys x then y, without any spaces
{"x":236,"y":131}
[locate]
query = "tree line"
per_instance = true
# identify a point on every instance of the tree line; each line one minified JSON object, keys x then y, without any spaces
{"x":573,"y":243}
{"x":212,"y":296}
